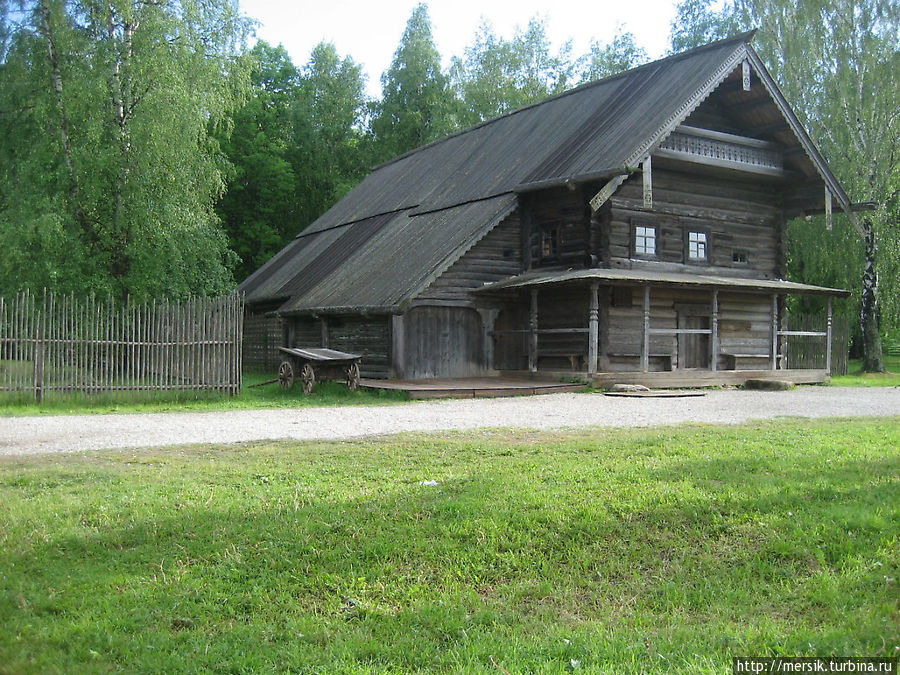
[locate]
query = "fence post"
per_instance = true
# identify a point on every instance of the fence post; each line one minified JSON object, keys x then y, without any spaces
{"x":828,"y":336}
{"x":39,"y":351}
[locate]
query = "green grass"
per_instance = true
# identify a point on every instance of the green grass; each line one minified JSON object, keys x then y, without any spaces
{"x":251,"y":397}
{"x":857,"y":378}
{"x":661,"y":551}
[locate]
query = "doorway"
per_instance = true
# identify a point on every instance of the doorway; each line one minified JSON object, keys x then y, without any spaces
{"x":693,"y":348}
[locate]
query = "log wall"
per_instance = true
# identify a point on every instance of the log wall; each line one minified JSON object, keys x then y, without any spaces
{"x":497,"y":256}
{"x":740,"y":216}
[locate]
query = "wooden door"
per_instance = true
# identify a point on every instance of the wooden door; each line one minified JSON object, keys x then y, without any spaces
{"x":693,"y":348}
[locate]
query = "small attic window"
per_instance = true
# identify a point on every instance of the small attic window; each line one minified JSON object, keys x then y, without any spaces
{"x":550,"y":242}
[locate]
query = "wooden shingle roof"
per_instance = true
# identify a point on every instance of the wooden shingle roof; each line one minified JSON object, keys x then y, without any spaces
{"x":414,"y":216}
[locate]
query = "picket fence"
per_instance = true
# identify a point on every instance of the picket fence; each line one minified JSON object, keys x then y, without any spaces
{"x":806,"y":351}
{"x":55,"y":346}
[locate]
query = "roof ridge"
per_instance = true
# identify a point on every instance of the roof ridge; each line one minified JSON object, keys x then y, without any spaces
{"x":745,"y":37}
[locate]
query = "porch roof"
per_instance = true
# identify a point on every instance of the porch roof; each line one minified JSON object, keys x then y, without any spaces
{"x":640,"y":277}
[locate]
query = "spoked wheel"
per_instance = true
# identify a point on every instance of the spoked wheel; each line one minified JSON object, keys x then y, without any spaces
{"x":286,"y":375}
{"x":308,"y":378}
{"x":353,"y":376}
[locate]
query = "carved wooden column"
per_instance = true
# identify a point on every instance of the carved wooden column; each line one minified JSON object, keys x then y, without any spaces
{"x":593,"y":327}
{"x":645,"y":344}
{"x":532,"y":332}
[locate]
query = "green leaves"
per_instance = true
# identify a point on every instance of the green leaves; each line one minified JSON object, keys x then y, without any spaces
{"x":111,"y":108}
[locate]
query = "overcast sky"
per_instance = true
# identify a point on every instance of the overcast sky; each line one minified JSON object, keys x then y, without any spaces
{"x":370,"y":31}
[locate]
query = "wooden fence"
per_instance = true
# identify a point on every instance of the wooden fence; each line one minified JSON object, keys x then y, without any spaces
{"x":58,"y":346}
{"x":809,"y":352}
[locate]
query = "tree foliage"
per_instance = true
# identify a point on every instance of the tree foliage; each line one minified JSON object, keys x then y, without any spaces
{"x":605,"y":60}
{"x":417,"y":104}
{"x":295,"y":149}
{"x":110,"y":171}
{"x":498,"y":75}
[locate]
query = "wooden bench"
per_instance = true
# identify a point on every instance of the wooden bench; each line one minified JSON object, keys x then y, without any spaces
{"x":665,"y":357}
{"x":733,"y":360}
{"x":574,"y":357}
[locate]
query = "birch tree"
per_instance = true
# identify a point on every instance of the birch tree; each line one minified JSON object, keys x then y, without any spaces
{"x":112,"y":172}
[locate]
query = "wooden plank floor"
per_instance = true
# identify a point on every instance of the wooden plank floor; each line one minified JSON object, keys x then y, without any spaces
{"x":481,"y":387}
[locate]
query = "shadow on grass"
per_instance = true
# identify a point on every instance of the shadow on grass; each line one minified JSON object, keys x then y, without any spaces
{"x":518,"y":557}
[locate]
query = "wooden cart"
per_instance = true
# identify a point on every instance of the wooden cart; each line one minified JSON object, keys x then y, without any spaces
{"x":310,"y":365}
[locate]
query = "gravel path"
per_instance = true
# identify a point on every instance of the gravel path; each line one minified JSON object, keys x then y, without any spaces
{"x":27,"y":435}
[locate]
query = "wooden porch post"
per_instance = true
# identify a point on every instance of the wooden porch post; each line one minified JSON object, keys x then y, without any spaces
{"x":398,"y":346}
{"x":645,"y":344}
{"x":773,"y":362}
{"x":714,"y":337}
{"x":324,"y":332}
{"x":827,"y":336}
{"x":532,"y":332}
{"x":593,"y":327}
{"x":488,"y":319}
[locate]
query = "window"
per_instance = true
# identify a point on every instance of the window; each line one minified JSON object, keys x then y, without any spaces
{"x":739,"y":257}
{"x":696,"y":246}
{"x":644,"y":240}
{"x":549,"y":242}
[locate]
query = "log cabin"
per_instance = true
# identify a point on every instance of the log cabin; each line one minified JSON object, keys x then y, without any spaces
{"x":629,"y":230}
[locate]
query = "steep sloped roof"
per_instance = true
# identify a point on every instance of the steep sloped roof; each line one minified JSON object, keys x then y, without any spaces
{"x":412,"y":217}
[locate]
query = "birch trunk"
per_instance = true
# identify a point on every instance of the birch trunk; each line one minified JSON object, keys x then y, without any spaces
{"x":873,"y":359}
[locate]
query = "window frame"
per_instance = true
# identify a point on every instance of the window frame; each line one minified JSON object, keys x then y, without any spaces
{"x":707,"y":245}
{"x":646,"y":224}
{"x":551,"y":234}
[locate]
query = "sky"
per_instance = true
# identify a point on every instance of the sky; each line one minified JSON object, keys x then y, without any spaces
{"x":369,"y":31}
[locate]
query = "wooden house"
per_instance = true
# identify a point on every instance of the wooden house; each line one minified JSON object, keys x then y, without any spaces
{"x":629,"y":230}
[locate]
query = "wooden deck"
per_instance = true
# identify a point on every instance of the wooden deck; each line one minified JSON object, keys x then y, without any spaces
{"x":483,"y":387}
{"x":678,"y":379}
{"x":521,"y":384}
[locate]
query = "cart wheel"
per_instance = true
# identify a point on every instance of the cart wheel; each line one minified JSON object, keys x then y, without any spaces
{"x":286,"y":375}
{"x":308,"y":378}
{"x":353,"y":376}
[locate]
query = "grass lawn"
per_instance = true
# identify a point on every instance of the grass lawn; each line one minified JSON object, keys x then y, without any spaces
{"x":856,"y":378}
{"x":265,"y":396}
{"x":641,"y":551}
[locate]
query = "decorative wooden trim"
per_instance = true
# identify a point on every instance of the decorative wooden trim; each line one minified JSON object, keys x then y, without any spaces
{"x":688,"y":106}
{"x":736,"y":139}
{"x":606,"y":192}
{"x":745,"y":75}
{"x":647,"y":180}
{"x":723,"y":150}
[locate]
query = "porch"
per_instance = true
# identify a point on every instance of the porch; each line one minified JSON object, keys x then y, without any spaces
{"x":652,"y":328}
